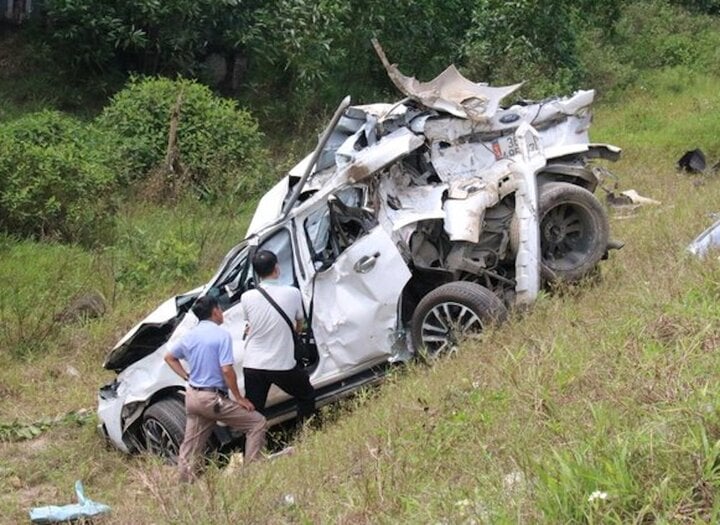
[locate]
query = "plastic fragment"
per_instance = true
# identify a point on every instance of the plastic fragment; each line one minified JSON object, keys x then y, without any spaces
{"x":85,"y":508}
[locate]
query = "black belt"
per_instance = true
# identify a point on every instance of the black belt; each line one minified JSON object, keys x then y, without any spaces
{"x":210,"y":389}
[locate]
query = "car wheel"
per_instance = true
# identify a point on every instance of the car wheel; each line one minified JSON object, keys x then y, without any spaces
{"x":573,"y":231}
{"x":452,"y":312}
{"x":164,"y":428}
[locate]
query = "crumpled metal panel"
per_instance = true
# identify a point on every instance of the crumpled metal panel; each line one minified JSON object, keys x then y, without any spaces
{"x":270,"y":206}
{"x":450,"y":92}
{"x":706,"y":241}
{"x":465,"y":208}
{"x":349,"y":302}
{"x":527,"y":261}
{"x":402,"y":203}
{"x":367,"y":161}
{"x":463,"y":161}
{"x":559,"y":121}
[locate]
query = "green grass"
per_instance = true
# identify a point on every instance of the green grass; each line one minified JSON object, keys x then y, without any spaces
{"x":610,"y":386}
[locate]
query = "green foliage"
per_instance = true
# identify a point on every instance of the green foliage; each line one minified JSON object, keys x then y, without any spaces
{"x":655,"y":34}
{"x":57,"y":177}
{"x":16,"y":431}
{"x":648,"y":36}
{"x":312,"y":54}
{"x":149,"y":37}
{"x":524,"y":40}
{"x":144,"y":261}
{"x":218,"y":143}
{"x":710,"y":7}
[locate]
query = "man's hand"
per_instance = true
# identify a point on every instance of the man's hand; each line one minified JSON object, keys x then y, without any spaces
{"x":246,"y":404}
{"x":231,"y":382}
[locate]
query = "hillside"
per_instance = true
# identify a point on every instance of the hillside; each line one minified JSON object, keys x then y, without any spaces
{"x":611,"y":386}
{"x":601,"y":404}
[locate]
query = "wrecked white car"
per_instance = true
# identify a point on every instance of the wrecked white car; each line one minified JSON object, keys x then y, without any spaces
{"x":410,"y":226}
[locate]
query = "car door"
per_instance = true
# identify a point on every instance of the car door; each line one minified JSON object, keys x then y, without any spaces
{"x":357,"y":288}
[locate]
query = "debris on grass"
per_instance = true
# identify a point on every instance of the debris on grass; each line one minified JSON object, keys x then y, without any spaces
{"x":84,"y":509}
{"x":692,"y":161}
{"x":629,"y":199}
{"x":706,"y":241}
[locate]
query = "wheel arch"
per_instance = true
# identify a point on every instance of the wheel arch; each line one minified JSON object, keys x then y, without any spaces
{"x":132,"y":425}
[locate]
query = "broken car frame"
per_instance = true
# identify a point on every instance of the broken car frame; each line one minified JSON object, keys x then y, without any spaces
{"x":411,"y":226}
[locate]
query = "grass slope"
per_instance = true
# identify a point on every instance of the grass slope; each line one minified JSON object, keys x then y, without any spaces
{"x":611,"y":386}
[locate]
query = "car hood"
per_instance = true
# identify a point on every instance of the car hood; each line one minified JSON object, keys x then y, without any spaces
{"x":150,"y":333}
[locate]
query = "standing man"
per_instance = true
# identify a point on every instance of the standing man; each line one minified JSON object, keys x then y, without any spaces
{"x":207,"y":349}
{"x":269,"y":348}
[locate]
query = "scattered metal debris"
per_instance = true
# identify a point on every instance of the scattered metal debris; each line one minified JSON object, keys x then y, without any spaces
{"x":629,"y":198}
{"x":692,"y":161}
{"x":706,"y":241}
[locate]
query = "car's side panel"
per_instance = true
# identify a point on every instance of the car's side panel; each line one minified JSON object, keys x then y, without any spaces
{"x":355,"y":313}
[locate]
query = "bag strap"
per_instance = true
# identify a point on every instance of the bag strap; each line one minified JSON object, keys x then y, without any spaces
{"x":277,"y":307}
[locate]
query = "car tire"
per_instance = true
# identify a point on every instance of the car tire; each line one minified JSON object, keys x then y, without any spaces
{"x":164,"y":428}
{"x":574,"y":232}
{"x":468,"y":306}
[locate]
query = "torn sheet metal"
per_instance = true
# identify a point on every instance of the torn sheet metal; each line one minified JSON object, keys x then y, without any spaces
{"x":270,"y":206}
{"x":630,"y":198}
{"x":528,"y":257}
{"x":401,"y":202}
{"x":465,"y":208}
{"x":468,"y":161}
{"x":706,"y":241}
{"x":559,"y":121}
{"x":367,"y":161}
{"x":449,"y":92}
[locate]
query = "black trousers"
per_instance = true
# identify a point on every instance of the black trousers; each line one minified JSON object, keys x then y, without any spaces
{"x":295,"y":382}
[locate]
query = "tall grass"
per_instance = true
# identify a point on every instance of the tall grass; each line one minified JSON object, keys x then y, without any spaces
{"x":600,"y":405}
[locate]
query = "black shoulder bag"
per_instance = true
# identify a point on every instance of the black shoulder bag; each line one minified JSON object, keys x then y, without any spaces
{"x":304,"y":351}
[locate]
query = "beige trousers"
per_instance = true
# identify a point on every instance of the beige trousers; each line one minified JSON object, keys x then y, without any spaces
{"x":201,"y":418}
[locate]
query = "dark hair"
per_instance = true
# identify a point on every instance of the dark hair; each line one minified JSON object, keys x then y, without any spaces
{"x":264,"y":263}
{"x":204,"y":307}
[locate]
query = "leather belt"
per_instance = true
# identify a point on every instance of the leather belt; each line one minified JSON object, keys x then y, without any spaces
{"x":210,"y":389}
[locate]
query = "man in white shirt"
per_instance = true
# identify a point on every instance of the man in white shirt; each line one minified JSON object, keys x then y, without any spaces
{"x":269,"y":348}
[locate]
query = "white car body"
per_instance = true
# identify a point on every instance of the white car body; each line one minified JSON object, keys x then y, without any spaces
{"x":345,"y":224}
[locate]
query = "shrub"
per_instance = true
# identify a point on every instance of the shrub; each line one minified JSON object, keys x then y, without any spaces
{"x":653,"y":34}
{"x":144,"y":262}
{"x":524,"y":40}
{"x":219,"y":144}
{"x":57,"y":177}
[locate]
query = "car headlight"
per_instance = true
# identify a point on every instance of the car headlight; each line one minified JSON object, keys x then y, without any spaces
{"x":109,"y":391}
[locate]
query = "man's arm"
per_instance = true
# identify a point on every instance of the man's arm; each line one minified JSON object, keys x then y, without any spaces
{"x":299,"y":313}
{"x":231,"y":382}
{"x":176,"y":366}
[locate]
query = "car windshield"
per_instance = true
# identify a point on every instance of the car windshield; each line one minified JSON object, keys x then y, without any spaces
{"x":232,"y":266}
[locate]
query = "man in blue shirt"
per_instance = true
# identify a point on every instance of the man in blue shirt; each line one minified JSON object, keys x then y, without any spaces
{"x":207,"y":349}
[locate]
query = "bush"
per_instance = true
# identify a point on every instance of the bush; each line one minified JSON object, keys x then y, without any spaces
{"x":654,"y":34}
{"x":524,"y":40}
{"x":144,"y":262}
{"x":219,"y":144}
{"x":57,"y":177}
